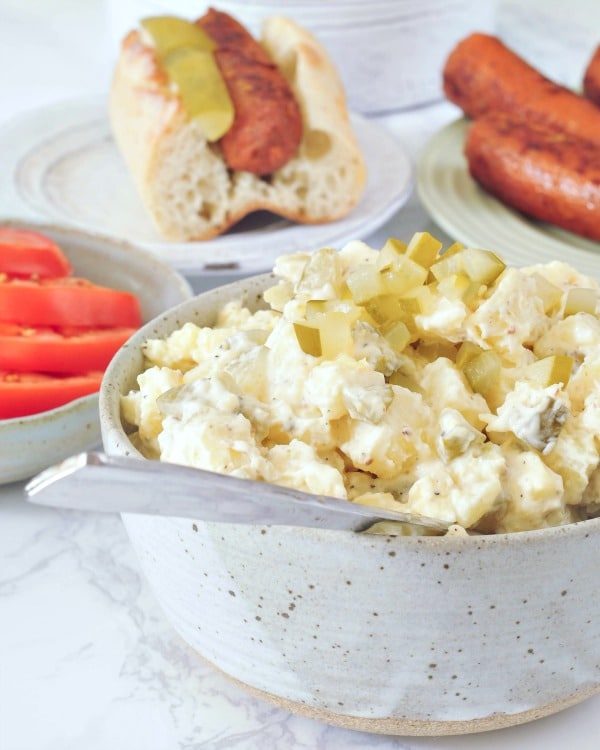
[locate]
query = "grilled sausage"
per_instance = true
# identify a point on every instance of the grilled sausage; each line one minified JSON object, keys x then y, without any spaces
{"x":539,"y":170}
{"x":591,"y":78}
{"x":267,"y":128}
{"x":482,"y":75}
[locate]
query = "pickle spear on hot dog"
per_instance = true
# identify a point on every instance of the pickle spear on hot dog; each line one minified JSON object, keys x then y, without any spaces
{"x":213,"y":125}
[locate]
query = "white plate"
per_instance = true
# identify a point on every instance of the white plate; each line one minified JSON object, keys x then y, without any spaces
{"x":61,"y":162}
{"x":469,"y":214}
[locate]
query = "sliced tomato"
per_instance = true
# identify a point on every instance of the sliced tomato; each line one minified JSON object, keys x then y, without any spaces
{"x":23,"y":394}
{"x":58,"y":350}
{"x":24,"y":253}
{"x":67,"y":302}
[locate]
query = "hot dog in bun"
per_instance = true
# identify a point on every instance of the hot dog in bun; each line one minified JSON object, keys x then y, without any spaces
{"x":213,"y":125}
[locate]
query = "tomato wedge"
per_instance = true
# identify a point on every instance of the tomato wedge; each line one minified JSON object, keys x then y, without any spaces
{"x":58,"y":351}
{"x":67,"y":302}
{"x":24,"y":254}
{"x":24,"y":394}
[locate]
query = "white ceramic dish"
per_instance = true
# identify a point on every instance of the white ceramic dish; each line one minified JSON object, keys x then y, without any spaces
{"x":48,"y":155}
{"x":395,"y":635}
{"x":30,"y":444}
{"x":465,"y":211}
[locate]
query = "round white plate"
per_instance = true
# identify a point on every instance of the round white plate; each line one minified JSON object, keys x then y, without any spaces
{"x":466,"y":212}
{"x":61,"y":162}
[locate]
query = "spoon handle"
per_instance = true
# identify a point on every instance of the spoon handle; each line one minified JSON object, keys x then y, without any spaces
{"x":117,"y":484}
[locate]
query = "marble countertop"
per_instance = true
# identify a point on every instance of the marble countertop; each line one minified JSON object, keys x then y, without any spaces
{"x":87,"y":659}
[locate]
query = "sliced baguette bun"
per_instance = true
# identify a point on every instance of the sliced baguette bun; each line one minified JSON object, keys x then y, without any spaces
{"x":183,"y":180}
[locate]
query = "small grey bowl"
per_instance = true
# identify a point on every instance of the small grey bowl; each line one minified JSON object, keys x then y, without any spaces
{"x":395,"y":635}
{"x":30,"y":444}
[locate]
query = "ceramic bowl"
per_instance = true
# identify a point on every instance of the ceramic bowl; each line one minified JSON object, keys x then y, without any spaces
{"x":394,"y":635}
{"x":30,"y":444}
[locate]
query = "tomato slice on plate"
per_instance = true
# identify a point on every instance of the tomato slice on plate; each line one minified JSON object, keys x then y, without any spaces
{"x":48,"y":350}
{"x":67,"y":302}
{"x":24,"y":253}
{"x":23,"y":394}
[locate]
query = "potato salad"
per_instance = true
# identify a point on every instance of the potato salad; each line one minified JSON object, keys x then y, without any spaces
{"x":412,"y":377}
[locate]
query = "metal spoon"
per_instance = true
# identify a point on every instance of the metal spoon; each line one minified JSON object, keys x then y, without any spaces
{"x":117,"y":484}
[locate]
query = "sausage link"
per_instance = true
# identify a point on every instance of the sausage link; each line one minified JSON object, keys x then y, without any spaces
{"x":267,"y":128}
{"x":482,"y":75}
{"x":539,"y":170}
{"x":591,"y":78}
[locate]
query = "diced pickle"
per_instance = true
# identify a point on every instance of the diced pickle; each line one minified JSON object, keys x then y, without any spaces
{"x":483,"y":372}
{"x":550,"y":370}
{"x":386,"y":308}
{"x":320,"y":270}
{"x":410,"y":307}
{"x":316,"y":308}
{"x":423,"y":249}
{"x":168,"y":33}
{"x":202,"y":89}
{"x":309,"y":338}
{"x":336,"y":334}
{"x":365,"y":282}
{"x":389,"y":253}
{"x":454,"y":285}
{"x":425,"y":297}
{"x":581,"y":300}
{"x":458,"y":286}
{"x":397,"y":335}
{"x":432,"y":350}
{"x":404,"y":276}
{"x":479,"y":265}
{"x":383,"y":308}
{"x":466,"y":352}
{"x":328,"y":336}
{"x":483,"y":266}
{"x":455,"y":247}
{"x":406,"y":381}
{"x":549,"y":293}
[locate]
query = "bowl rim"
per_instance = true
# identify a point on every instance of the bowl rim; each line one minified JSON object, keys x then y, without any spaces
{"x":112,"y":424}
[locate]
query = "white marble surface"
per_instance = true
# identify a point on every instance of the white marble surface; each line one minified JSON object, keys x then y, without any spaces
{"x":87,"y":659}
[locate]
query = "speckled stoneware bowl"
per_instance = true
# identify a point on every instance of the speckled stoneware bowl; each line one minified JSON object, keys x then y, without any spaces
{"x":396,"y":635}
{"x":30,"y":444}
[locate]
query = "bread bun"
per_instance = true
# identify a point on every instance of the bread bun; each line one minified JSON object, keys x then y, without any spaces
{"x":183,"y":180}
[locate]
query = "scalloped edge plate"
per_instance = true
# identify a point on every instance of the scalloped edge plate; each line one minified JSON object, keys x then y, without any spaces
{"x":60,"y":162}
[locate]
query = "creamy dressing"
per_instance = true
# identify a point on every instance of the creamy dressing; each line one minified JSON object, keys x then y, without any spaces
{"x":384,"y":427}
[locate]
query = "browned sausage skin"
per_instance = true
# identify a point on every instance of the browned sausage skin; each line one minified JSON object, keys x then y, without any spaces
{"x":539,"y":170}
{"x":591,"y":78}
{"x":267,"y":128}
{"x":482,"y":75}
